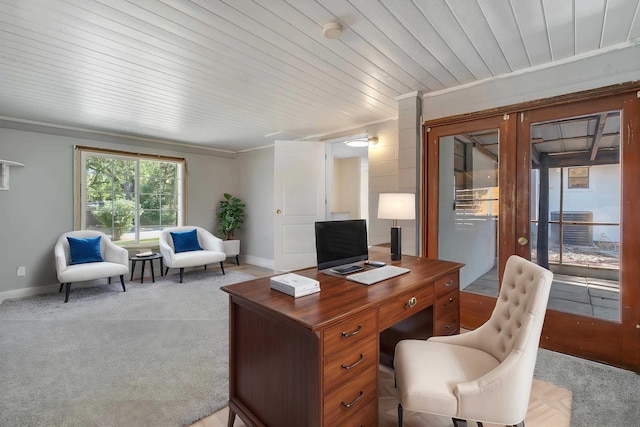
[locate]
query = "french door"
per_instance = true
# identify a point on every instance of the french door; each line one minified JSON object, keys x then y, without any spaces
{"x":559,"y":185}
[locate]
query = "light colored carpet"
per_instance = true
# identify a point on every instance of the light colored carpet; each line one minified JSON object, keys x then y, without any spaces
{"x":156,"y":355}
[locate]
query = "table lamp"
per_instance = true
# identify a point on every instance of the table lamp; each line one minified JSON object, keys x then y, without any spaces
{"x":396,"y":206}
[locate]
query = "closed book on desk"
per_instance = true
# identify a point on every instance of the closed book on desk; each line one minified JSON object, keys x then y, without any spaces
{"x":294,"y":284}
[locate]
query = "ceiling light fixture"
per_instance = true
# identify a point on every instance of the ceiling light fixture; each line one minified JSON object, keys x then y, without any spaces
{"x":332,"y":30}
{"x":362,"y":142}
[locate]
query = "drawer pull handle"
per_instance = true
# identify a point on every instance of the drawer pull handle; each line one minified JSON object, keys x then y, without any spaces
{"x":449,"y":283}
{"x":450,"y":325}
{"x":349,"y":405}
{"x":357,"y":362}
{"x":446,"y":304}
{"x":412,"y":302}
{"x":350,"y":334}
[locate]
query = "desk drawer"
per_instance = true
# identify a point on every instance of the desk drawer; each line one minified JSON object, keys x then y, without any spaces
{"x":347,"y":399}
{"x":346,"y":333}
{"x":365,"y":417}
{"x":349,"y":363}
{"x":447,"y":325}
{"x":446,"y":284}
{"x":404,"y":305}
{"x":447,"y":304}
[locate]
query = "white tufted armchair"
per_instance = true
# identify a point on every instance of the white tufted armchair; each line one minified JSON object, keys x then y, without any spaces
{"x":484,"y":375}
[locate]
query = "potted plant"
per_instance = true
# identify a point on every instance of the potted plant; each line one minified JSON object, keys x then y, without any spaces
{"x":230,"y":216}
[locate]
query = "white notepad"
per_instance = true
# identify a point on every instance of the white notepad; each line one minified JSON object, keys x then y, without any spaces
{"x":376,"y":275}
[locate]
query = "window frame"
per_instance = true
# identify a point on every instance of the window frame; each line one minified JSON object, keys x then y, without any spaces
{"x":80,"y":189}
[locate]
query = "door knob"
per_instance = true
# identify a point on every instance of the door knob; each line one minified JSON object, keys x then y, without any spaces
{"x":522,"y":241}
{"x":278,"y":211}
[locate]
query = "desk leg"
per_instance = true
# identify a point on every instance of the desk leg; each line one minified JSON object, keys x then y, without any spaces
{"x":133,"y":267}
{"x":153,"y":276}
{"x":232,"y":418}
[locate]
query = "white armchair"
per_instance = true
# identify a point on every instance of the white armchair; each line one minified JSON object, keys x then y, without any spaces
{"x":484,"y":375}
{"x":116,"y":261}
{"x":211,"y":252}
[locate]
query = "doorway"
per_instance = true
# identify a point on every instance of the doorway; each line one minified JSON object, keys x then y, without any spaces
{"x":347,"y":175}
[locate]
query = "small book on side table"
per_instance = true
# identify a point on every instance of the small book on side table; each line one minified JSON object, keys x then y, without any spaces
{"x":295,"y":285}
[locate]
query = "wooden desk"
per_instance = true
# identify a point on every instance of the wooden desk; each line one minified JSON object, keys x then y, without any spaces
{"x":313,"y":360}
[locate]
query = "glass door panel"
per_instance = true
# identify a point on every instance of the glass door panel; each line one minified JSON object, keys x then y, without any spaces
{"x":575,"y":218}
{"x":468,"y":203}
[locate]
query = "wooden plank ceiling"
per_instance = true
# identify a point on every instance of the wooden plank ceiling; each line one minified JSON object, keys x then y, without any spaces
{"x":236,"y":74}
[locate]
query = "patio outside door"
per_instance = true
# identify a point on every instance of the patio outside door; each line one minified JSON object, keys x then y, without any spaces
{"x":577,"y":214}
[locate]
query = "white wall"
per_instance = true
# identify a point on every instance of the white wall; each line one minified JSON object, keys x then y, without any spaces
{"x":39,"y":206}
{"x":602,"y":197}
{"x":611,"y":67}
{"x":345,"y":191}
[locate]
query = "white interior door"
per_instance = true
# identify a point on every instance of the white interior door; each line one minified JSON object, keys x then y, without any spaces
{"x":299,"y":202}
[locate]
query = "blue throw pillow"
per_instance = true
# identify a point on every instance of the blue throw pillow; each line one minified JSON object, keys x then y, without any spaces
{"x":84,"y":250}
{"x":185,"y":241}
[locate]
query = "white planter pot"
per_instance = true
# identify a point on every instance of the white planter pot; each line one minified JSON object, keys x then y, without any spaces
{"x":232,"y":248}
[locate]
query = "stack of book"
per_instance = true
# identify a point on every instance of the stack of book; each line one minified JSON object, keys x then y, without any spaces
{"x":295,"y":285}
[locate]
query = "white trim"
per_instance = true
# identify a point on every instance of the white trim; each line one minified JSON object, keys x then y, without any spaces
{"x":413,"y":94}
{"x":114,"y":134}
{"x":547,"y":65}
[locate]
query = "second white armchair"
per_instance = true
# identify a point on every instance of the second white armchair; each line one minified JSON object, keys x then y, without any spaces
{"x":190,"y":246}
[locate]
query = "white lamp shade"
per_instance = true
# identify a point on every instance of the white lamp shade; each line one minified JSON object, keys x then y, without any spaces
{"x":397,"y":206}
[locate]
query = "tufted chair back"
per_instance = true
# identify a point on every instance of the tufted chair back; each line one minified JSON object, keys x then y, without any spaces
{"x":519,"y":312}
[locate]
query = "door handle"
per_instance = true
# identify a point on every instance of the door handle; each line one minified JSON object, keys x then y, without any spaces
{"x":522,"y":241}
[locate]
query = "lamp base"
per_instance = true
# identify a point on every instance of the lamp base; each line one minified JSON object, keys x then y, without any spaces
{"x":396,"y":243}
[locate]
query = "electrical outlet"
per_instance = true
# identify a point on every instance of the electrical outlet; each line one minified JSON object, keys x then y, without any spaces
{"x":22,"y":270}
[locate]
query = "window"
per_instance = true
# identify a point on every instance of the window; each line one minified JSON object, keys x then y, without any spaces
{"x":578,"y":177}
{"x":129,"y":197}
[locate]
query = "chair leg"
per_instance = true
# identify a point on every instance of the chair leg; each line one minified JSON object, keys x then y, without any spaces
{"x":66,"y":298}
{"x":61,"y":286}
{"x":222,"y":267}
{"x":457,"y":422}
{"x":181,"y":271}
{"x":399,"y":415}
{"x":237,"y":260}
{"x":122,"y":282}
{"x":205,"y":266}
{"x":520,"y":424}
{"x":166,"y":271}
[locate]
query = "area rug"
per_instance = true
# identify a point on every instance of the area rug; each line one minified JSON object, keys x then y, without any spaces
{"x":156,"y":355}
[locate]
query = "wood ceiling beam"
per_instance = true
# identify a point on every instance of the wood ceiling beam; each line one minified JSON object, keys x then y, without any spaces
{"x":583,"y":158}
{"x":570,"y":138}
{"x":597,"y":137}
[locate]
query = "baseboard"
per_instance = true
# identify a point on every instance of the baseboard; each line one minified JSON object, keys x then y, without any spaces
{"x":48,"y":289}
{"x":260,"y":262}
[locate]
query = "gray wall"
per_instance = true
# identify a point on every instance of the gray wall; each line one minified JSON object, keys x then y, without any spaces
{"x":255,"y":188}
{"x":39,"y":206}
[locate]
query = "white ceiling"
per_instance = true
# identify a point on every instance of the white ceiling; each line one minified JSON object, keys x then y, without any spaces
{"x":237,"y":74}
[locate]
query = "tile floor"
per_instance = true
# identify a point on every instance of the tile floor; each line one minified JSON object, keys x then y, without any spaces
{"x":586,"y":296}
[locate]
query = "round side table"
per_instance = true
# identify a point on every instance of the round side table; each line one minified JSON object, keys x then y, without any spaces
{"x":134,"y":259}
